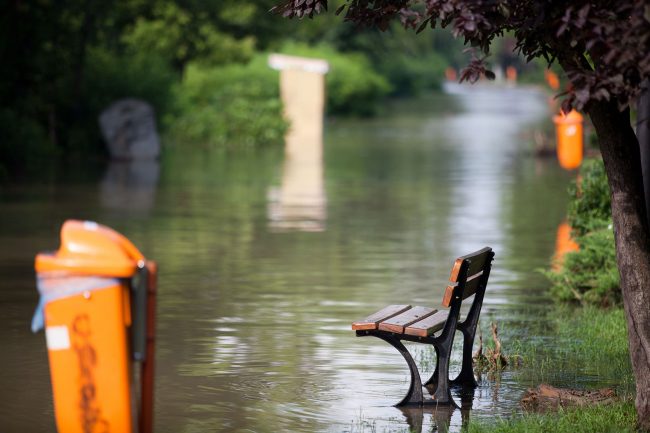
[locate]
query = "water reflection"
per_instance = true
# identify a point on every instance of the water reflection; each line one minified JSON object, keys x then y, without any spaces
{"x":440,"y":417}
{"x":130,"y":186}
{"x":300,"y":203}
{"x":254,"y":327}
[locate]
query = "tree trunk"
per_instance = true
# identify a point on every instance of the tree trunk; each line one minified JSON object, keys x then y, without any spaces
{"x":620,"y":151}
{"x":643,"y":135}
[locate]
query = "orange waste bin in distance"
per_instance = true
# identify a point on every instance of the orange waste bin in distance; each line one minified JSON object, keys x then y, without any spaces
{"x":564,"y":244}
{"x":89,"y":297}
{"x":568,"y":128}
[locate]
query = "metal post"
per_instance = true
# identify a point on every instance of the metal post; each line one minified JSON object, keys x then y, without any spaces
{"x":147,"y":372}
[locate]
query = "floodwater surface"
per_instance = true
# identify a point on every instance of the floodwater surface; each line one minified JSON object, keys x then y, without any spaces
{"x":256,"y":297}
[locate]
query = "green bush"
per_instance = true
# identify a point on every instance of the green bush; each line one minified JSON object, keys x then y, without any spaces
{"x":590,"y":206}
{"x":24,"y":147}
{"x":353,"y":87}
{"x":410,"y":76}
{"x":229,"y":107}
{"x":589,"y":275}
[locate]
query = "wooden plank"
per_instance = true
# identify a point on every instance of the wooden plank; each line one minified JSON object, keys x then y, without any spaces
{"x":429,"y":325}
{"x":373,"y":320}
{"x":397,"y":323}
{"x":449,"y":293}
{"x":455,"y":270}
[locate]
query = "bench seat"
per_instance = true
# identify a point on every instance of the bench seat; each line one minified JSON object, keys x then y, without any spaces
{"x":404,"y":319}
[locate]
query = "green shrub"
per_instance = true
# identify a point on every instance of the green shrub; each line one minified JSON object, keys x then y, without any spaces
{"x":590,"y":206}
{"x":410,"y":75}
{"x":589,"y":275}
{"x":229,"y":107}
{"x":24,"y":147}
{"x":353,"y":87}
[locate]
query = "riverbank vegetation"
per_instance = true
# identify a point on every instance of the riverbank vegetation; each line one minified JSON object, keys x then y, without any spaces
{"x":617,"y":417}
{"x":201,"y":65}
{"x":588,"y":338}
{"x":589,"y":275}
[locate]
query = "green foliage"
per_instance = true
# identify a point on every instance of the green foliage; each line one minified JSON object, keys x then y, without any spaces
{"x":24,"y":147}
{"x":589,"y":275}
{"x":180,"y":35}
{"x":617,"y":417}
{"x":590,"y":206}
{"x":236,"y":106}
{"x":353,"y":87}
{"x":143,"y":75}
{"x":409,"y":75}
{"x":411,"y":63}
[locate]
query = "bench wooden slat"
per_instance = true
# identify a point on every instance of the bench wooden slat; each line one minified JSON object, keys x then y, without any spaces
{"x":449,"y":293}
{"x":397,"y":323}
{"x":477,"y":263}
{"x":373,"y":320}
{"x":470,"y":288}
{"x":429,"y":325}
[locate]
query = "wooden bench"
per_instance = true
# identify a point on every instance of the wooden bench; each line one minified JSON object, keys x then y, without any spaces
{"x":397,"y":323}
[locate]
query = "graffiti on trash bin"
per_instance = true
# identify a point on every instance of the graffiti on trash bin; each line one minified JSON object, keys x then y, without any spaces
{"x":91,"y":414}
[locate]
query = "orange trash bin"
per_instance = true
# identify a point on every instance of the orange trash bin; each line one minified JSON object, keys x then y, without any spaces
{"x":94,"y":314}
{"x":568,"y":128}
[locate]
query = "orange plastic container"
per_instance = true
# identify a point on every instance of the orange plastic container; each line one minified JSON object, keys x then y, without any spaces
{"x":564,"y":244}
{"x":568,"y":128}
{"x":85,"y":295}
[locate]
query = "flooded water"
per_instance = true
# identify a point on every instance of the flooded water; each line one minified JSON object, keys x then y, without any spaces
{"x":256,"y":297}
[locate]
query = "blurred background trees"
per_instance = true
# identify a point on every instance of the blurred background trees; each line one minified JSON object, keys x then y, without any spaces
{"x":201,"y":64}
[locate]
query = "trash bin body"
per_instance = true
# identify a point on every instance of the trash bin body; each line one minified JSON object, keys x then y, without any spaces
{"x":89,"y":361}
{"x":569,"y":139}
{"x":86,"y":307}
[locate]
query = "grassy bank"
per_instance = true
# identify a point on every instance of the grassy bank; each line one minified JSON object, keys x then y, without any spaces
{"x":585,"y":340}
{"x":577,"y":341}
{"x":619,"y":417}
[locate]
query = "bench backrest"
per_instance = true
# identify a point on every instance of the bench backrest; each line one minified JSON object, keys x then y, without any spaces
{"x":468,"y":275}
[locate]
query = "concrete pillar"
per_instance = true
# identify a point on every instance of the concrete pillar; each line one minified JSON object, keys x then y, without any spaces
{"x":300,"y":202}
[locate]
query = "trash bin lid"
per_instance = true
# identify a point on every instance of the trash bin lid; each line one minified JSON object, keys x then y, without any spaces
{"x":88,"y":248}
{"x":572,"y":117}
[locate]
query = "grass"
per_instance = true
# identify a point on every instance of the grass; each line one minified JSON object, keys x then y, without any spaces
{"x":618,"y":417}
{"x":584,"y":339}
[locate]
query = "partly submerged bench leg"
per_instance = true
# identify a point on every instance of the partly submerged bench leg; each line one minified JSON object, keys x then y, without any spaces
{"x":442,"y":394}
{"x":468,"y":328}
{"x":414,"y":395}
{"x":438,"y":383}
{"x":466,"y":375}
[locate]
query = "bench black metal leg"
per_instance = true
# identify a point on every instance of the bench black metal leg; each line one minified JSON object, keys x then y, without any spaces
{"x":442,"y":395}
{"x":466,"y":376}
{"x":414,"y":395}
